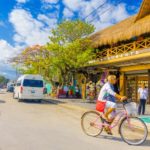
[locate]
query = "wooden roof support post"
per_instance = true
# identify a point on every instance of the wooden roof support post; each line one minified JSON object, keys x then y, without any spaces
{"x":122,"y":83}
{"x":149,"y":85}
{"x":134,"y":45}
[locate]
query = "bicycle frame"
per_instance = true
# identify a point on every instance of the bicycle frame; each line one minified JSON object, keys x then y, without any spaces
{"x":122,"y":114}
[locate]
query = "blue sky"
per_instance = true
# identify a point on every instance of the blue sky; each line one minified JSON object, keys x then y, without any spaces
{"x":27,"y":22}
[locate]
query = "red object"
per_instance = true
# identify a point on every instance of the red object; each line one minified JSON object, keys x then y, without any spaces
{"x":100,"y":106}
{"x":21,"y":89}
{"x":71,"y":92}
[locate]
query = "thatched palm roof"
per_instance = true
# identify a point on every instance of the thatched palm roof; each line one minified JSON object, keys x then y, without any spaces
{"x":126,"y":29}
{"x":144,"y":10}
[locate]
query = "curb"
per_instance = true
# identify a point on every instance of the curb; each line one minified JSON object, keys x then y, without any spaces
{"x":68,"y":105}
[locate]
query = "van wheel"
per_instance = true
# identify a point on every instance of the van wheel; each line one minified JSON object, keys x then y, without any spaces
{"x":19,"y":100}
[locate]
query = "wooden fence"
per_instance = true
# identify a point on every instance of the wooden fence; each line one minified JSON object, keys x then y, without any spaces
{"x":125,"y":48}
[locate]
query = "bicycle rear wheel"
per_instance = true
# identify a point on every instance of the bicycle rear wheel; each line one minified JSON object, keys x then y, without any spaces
{"x":91,"y":123}
{"x":133,"y":131}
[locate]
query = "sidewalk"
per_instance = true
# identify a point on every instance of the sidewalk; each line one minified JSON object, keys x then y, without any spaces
{"x":85,"y":104}
{"x":76,"y":103}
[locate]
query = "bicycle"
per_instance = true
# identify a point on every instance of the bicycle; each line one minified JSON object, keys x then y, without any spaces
{"x":132,"y":129}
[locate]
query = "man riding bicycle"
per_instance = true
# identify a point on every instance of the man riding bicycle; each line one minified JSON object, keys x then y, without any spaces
{"x":106,"y":102}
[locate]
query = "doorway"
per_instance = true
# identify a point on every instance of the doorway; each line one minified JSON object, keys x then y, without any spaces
{"x":133,"y":82}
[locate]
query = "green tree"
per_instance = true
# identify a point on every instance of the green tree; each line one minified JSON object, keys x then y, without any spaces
{"x":70,"y":31}
{"x":70,"y":46}
{"x":3,"y":80}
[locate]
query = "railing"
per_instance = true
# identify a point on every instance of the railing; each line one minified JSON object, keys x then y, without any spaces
{"x":125,"y":48}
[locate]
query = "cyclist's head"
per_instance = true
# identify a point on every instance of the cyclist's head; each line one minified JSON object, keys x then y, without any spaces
{"x":112,"y":79}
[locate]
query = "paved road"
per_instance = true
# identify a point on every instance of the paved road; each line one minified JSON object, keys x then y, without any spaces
{"x":46,"y":126}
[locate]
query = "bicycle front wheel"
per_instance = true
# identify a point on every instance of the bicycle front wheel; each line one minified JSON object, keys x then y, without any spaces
{"x":91,"y":123}
{"x":133,"y":131}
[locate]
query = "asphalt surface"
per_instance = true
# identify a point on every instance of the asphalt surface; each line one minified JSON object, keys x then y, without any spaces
{"x":49,"y":126}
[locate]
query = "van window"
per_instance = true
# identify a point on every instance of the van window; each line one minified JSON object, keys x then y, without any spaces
{"x":32,"y":83}
{"x":18,"y":84}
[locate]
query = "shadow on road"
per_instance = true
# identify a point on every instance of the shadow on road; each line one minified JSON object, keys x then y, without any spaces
{"x":2,"y":93}
{"x":2,"y":101}
{"x":147,"y":143}
{"x":112,"y":138}
{"x":45,"y":102}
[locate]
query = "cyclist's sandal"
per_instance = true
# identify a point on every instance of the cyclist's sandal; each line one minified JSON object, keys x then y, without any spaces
{"x":106,"y":120}
{"x":108,"y":130}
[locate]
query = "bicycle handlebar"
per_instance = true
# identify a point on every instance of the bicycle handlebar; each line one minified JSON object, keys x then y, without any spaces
{"x":127,"y":101}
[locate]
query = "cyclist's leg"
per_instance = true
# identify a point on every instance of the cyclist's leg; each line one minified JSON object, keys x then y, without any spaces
{"x":110,"y":109}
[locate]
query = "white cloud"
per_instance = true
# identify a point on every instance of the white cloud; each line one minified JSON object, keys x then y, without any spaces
{"x":51,"y":5}
{"x":68,"y":13}
{"x":120,"y":12}
{"x":107,"y":15}
{"x":51,"y":1}
{"x":76,"y":5}
{"x":7,"y":70}
{"x":49,"y":21}
{"x":7,"y":50}
{"x":73,"y":5}
{"x":31,"y":30}
{"x":114,"y":15}
{"x":21,"y":1}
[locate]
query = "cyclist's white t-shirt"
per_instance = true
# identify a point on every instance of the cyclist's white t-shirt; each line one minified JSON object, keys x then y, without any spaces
{"x":106,"y":92}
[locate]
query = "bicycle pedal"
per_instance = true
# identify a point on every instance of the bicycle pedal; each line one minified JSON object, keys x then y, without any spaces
{"x":105,"y":121}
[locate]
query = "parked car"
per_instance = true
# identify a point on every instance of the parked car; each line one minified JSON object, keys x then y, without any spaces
{"x":29,"y":87}
{"x":10,"y":87}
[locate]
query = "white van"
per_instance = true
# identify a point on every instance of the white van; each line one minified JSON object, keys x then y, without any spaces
{"x":29,"y":87}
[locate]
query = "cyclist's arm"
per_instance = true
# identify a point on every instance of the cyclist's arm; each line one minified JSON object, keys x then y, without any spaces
{"x":111,"y":92}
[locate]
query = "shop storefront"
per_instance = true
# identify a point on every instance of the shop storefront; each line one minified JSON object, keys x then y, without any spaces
{"x":91,"y":83}
{"x":130,"y":82}
{"x":133,"y":82}
{"x":126,"y":52}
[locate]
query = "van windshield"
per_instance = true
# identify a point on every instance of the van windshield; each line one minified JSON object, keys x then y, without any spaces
{"x":33,"y":83}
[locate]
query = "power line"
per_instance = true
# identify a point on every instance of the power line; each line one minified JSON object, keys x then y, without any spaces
{"x":110,"y":8}
{"x":95,"y":10}
{"x":101,"y":14}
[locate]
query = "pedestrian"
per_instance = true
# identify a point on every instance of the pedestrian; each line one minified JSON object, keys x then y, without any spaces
{"x":77,"y":91}
{"x":71,"y":90}
{"x":142,"y":96}
{"x":66,"y":90}
{"x":49,"y":89}
{"x":58,"y":90}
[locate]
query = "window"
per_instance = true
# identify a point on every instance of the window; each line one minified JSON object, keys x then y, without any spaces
{"x":18,"y":83}
{"x":33,"y":83}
